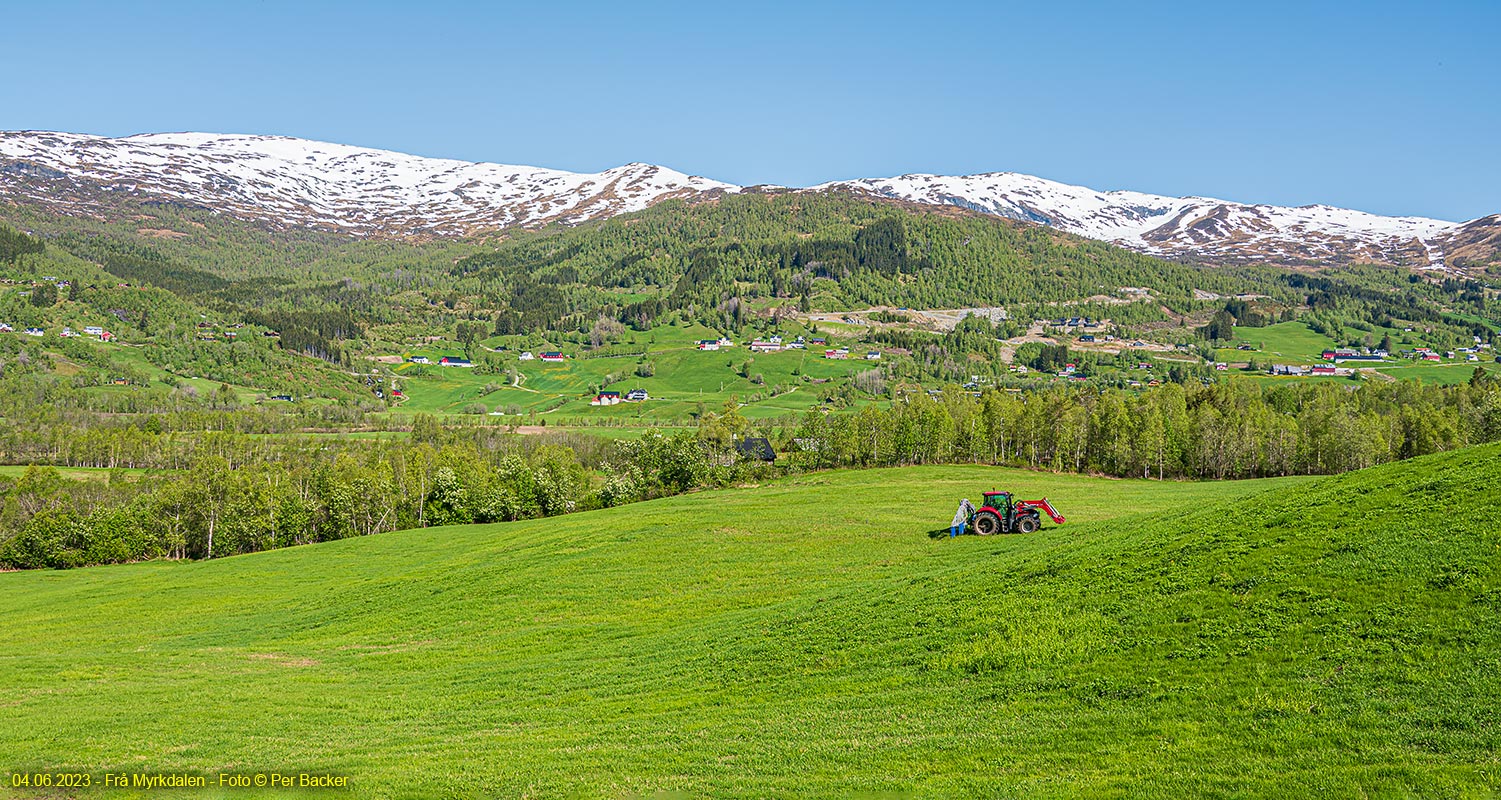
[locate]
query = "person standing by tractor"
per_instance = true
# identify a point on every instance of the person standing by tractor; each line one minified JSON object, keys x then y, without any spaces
{"x":961,"y":517}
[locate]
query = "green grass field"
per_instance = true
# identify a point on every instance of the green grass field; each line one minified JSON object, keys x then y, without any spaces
{"x":684,"y":377}
{"x":1283,"y":380}
{"x":1294,"y":343}
{"x":1283,"y":343}
{"x":74,"y":473}
{"x":1444,"y":374}
{"x":816,"y":636}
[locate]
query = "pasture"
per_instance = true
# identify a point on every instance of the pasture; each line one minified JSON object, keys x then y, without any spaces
{"x":819,"y":635}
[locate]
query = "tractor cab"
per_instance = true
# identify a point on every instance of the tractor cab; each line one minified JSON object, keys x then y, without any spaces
{"x":1000,"y":501}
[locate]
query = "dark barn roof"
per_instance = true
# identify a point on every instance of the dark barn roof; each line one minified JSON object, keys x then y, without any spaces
{"x":756,"y":447}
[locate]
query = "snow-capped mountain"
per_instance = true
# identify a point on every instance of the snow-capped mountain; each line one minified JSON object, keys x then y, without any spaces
{"x":294,"y":182}
{"x":1213,"y":230}
{"x":299,"y":182}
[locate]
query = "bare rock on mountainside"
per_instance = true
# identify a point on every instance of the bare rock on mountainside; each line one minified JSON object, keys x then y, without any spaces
{"x":1476,"y":243}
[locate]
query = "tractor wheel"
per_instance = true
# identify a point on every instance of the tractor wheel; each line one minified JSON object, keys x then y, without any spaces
{"x":987,"y":523}
{"x":1027,"y":525}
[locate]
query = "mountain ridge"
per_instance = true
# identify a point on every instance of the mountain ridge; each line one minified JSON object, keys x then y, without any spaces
{"x":361,"y":190}
{"x":288,"y":181}
{"x":1210,"y":228}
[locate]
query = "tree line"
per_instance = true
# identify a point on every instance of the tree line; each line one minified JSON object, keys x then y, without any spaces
{"x":1232,"y":429}
{"x":235,"y":494}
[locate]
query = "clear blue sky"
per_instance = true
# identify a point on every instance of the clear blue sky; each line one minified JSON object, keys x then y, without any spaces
{"x":1391,"y":107}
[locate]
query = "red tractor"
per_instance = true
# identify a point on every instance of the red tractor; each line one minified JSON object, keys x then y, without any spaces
{"x":1002,"y":514}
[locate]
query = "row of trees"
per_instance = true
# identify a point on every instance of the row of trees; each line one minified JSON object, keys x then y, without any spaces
{"x":1236,"y":429}
{"x":221,"y":493}
{"x":239,"y":496}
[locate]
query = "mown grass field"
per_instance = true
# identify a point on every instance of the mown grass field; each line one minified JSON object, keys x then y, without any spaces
{"x":817,"y":636}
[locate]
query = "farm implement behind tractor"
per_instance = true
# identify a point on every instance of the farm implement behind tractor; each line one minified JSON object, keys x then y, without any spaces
{"x":1003,"y":514}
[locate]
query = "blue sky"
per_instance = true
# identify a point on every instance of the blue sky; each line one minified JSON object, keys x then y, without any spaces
{"x":1383,"y":106}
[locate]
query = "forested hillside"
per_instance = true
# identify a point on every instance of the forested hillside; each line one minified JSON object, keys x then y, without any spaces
{"x":719,"y":261}
{"x":828,"y":250}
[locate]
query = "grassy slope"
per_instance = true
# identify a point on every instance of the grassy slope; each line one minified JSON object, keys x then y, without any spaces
{"x":684,"y":377}
{"x":1284,"y":343}
{"x":1295,"y":343}
{"x":811,"y":637}
{"x":1443,"y":374}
